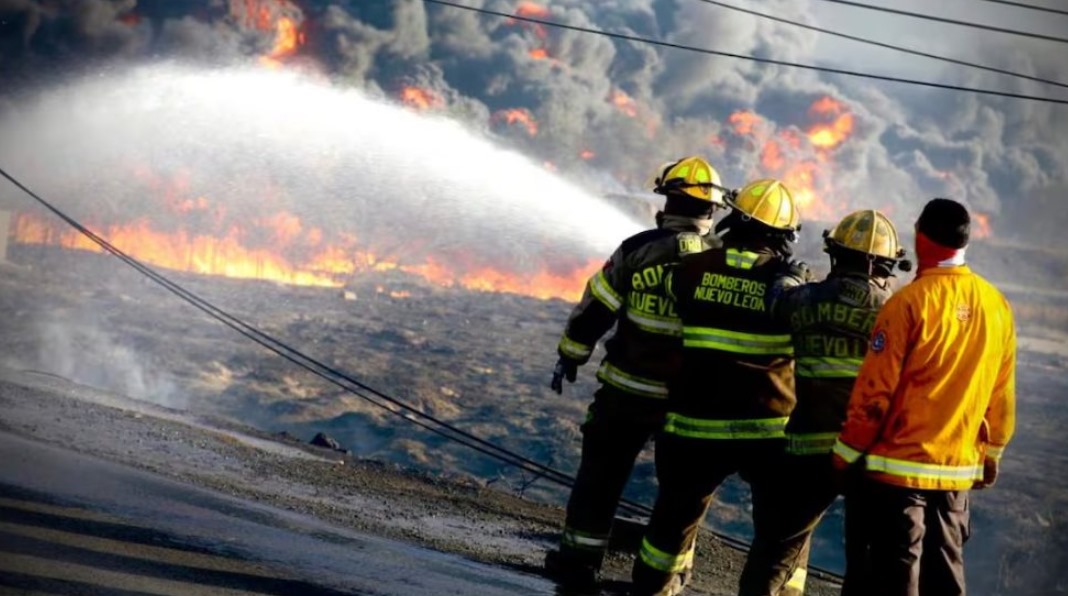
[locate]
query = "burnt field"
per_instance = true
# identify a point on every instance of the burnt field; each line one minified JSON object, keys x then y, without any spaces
{"x":482,"y":362}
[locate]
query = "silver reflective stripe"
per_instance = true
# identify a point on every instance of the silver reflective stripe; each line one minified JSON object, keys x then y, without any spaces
{"x":909,"y":469}
{"x":663,"y":326}
{"x":845,"y":452}
{"x":631,"y":383}
{"x":827,"y":367}
{"x":584,"y":540}
{"x":574,"y":349}
{"x":602,"y":290}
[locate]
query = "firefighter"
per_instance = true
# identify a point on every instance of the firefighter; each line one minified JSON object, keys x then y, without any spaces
{"x":929,"y":416}
{"x":830,"y":322}
{"x":728,"y":407}
{"x":640,"y":356}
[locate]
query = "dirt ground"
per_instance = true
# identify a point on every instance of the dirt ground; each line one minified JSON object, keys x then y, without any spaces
{"x":446,"y":514}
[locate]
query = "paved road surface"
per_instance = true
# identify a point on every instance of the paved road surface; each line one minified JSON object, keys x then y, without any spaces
{"x":70,"y":524}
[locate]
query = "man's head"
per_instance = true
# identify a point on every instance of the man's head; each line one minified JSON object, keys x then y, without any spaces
{"x":945,"y":222}
{"x":865,"y":242}
{"x":692,"y":187}
{"x":763,"y":211}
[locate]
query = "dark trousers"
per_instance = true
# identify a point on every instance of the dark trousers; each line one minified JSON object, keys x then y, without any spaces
{"x":914,"y":540}
{"x":617,"y":427}
{"x":689,"y":471}
{"x":803,"y":489}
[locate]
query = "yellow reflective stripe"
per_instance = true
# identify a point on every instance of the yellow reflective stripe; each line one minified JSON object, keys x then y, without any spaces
{"x":741,"y":259}
{"x":909,"y":469}
{"x":631,"y":383}
{"x":663,"y":561}
{"x":736,"y":341}
{"x":845,"y":452}
{"x":810,"y":443}
{"x":827,"y":367}
{"x":654,"y":324}
{"x":797,"y":580}
{"x":584,"y":540}
{"x":753,"y":428}
{"x":573,"y":349}
{"x":994,"y":452}
{"x":603,"y":291}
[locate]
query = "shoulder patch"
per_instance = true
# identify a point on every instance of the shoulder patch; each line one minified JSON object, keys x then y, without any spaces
{"x":690,"y":244}
{"x":878,"y":341}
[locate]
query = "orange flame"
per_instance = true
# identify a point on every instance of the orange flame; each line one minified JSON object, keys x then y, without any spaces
{"x":981,"y":225}
{"x":521,"y":116}
{"x":286,"y":41}
{"x":624,"y":102}
{"x":280,"y":16}
{"x":587,"y":154}
{"x":420,"y":99}
{"x":281,"y":248}
{"x":831,"y":134}
{"x":746,"y":122}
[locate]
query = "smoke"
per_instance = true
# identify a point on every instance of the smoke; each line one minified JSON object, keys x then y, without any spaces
{"x":80,"y":349}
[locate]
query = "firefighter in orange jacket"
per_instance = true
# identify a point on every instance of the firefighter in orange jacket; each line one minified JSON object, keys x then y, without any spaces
{"x":830,"y":323}
{"x":642,"y":354}
{"x":728,"y":407}
{"x":929,"y":417}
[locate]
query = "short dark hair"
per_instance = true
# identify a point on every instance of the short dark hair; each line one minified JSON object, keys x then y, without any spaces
{"x":946,"y":222}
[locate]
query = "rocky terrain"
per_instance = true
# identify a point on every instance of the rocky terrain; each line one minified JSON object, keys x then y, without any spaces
{"x":480,"y":361}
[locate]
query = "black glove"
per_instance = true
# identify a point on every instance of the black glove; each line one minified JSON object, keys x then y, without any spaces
{"x":564,"y":368}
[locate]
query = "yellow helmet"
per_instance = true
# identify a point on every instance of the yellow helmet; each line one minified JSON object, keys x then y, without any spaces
{"x":692,"y":176}
{"x":867,"y":231}
{"x":769,"y":202}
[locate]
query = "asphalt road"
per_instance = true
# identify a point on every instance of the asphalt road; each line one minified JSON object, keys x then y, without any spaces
{"x":72,"y":524}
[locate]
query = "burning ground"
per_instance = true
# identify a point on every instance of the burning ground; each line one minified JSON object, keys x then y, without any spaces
{"x":479,"y":360}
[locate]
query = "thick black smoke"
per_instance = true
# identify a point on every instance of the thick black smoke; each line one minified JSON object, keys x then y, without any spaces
{"x":608,"y":111}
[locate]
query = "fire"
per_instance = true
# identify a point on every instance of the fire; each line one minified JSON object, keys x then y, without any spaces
{"x":624,"y":103}
{"x":421,"y":99}
{"x":803,"y":161}
{"x":280,"y":16}
{"x":521,"y":116}
{"x":287,"y":39}
{"x":280,"y":247}
{"x":981,"y":225}
{"x":587,"y":154}
{"x":830,"y":134}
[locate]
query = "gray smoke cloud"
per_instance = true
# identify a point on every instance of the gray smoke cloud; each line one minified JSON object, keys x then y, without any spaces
{"x":607,"y":111}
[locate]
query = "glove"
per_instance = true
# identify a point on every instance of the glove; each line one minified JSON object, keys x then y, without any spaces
{"x":800,"y":270}
{"x":990,"y":474}
{"x":565,"y":368}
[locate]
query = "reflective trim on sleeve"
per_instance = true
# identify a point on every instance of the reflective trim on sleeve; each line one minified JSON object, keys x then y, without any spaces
{"x":753,"y":428}
{"x":603,"y":291}
{"x":741,"y":259}
{"x":631,"y":383}
{"x":654,"y":324}
{"x":584,"y":540}
{"x":664,"y":561}
{"x":573,"y":349}
{"x":909,"y":470}
{"x":810,"y":443}
{"x":736,"y":341}
{"x":827,"y":367}
{"x":994,"y":452}
{"x":797,"y":580}
{"x":845,"y":452}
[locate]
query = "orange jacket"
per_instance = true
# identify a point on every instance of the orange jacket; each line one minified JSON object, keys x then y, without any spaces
{"x":936,"y":391}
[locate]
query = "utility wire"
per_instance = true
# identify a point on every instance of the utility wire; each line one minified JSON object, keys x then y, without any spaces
{"x":1029,"y":6}
{"x":337,"y":377}
{"x":880,"y":44}
{"x":929,"y":17}
{"x":678,"y":46}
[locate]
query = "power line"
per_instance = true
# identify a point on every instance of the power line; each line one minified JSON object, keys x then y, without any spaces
{"x":348,"y":383}
{"x":678,"y":46}
{"x":1029,"y":6}
{"x":928,"y":17}
{"x":884,"y":45}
